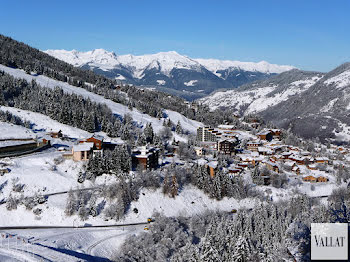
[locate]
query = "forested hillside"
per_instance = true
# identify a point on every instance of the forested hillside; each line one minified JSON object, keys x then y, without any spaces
{"x":19,"y":55}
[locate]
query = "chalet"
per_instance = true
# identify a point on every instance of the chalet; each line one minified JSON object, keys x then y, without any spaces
{"x":322,"y":179}
{"x":276,"y":148}
{"x":312,"y":167}
{"x":145,"y":157}
{"x":266,"y":179}
{"x":242,"y":165}
{"x":82,"y":151}
{"x":296,"y":169}
{"x":96,"y":140}
{"x":286,"y":155}
{"x":56,"y":134}
{"x":265,"y":135}
{"x":322,"y":160}
{"x":305,"y":153}
{"x":297,"y":159}
{"x":293,"y":148}
{"x":212,"y":166}
{"x":272,"y":166}
{"x":198,"y":150}
{"x":253,"y":145}
{"x":309,"y":179}
{"x":209,"y":145}
{"x":227,"y":146}
{"x":276,"y":133}
{"x":264,"y":151}
{"x":4,"y":171}
{"x":235,"y":170}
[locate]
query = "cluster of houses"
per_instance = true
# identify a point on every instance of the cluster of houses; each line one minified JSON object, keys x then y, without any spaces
{"x":145,"y":157}
{"x":263,"y":149}
{"x":246,"y":149}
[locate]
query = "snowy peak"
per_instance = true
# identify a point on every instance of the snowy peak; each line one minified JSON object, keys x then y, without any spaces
{"x":170,"y":71}
{"x":165,"y":61}
{"x":215,"y":65}
{"x":97,"y":57}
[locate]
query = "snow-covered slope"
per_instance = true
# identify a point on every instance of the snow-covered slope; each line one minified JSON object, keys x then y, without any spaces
{"x":170,"y":71}
{"x":259,"y":96}
{"x":41,"y":122}
{"x":116,"y":108}
{"x":11,"y":131}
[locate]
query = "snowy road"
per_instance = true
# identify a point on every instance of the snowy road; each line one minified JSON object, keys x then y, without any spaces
{"x":88,"y":244}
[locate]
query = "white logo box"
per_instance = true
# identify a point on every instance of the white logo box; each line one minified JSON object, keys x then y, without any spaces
{"x":329,"y":241}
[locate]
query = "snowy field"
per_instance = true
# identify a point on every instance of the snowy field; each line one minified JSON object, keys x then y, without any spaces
{"x":8,"y":131}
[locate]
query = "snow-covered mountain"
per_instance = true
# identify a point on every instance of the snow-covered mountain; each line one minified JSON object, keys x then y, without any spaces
{"x":170,"y":71}
{"x":311,"y":104}
{"x":257,"y":97}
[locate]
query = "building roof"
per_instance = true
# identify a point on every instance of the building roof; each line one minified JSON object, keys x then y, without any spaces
{"x":228,"y":140}
{"x":86,"y":146}
{"x":226,"y":126}
{"x":213,"y":164}
{"x":264,"y":133}
{"x":98,"y":137}
{"x":322,"y":159}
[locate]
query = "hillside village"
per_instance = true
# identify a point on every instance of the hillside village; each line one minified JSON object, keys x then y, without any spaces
{"x":261,"y":152}
{"x":265,"y":149}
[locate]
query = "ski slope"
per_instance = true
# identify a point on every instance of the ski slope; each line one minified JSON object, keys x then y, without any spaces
{"x":9,"y":131}
{"x":119,"y":109}
{"x":43,"y":123}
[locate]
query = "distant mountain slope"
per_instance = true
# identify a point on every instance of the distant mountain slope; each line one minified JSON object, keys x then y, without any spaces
{"x":323,"y":110}
{"x":258,"y":96}
{"x":311,"y":104}
{"x":170,"y":71}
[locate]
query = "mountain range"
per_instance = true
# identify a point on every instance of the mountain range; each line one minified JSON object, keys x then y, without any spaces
{"x":311,"y":104}
{"x":171,"y":72}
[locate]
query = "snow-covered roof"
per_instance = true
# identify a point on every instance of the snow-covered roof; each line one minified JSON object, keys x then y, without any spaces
{"x":322,"y":158}
{"x":98,"y":137}
{"x":213,"y":164}
{"x":226,"y":126}
{"x":263,"y":133}
{"x":87,"y":146}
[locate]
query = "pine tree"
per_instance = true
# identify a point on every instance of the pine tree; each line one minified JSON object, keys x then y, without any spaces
{"x":242,"y":250}
{"x":174,"y":187}
{"x":148,"y":133}
{"x":71,"y":205}
{"x":178,"y":128}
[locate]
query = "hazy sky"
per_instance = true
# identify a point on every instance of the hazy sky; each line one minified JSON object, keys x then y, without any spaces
{"x":309,"y":34}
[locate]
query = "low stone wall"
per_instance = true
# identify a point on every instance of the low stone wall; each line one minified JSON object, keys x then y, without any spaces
{"x":25,"y":149}
{"x":18,"y":148}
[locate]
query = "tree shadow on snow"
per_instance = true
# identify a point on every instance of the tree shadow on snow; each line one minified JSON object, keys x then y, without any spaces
{"x":73,"y":253}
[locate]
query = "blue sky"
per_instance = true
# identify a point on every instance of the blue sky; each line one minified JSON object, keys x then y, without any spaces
{"x":312,"y":34}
